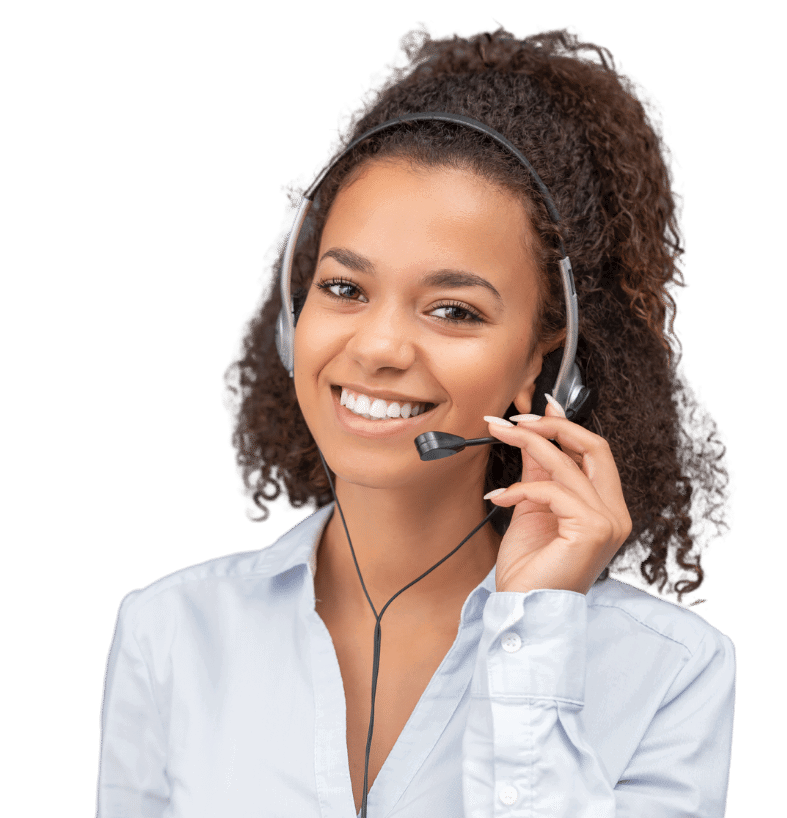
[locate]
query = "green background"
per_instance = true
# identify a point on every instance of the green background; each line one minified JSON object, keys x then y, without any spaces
{"x":144,"y":146}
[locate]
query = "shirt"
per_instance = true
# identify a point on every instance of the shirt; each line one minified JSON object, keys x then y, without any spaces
{"x":224,"y":697}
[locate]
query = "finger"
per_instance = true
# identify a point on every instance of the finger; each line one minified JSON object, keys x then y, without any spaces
{"x":576,"y":516}
{"x":556,"y":464}
{"x":592,"y":453}
{"x":552,"y":409}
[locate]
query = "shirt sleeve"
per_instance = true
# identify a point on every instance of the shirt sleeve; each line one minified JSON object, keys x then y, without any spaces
{"x":525,"y":751}
{"x":132,"y":778}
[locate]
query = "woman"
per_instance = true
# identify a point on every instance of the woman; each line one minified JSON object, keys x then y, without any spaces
{"x":450,"y":642}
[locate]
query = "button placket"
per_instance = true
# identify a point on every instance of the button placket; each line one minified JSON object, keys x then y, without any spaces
{"x":511,"y":643}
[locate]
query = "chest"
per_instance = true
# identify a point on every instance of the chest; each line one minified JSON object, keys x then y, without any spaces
{"x":408,"y":661}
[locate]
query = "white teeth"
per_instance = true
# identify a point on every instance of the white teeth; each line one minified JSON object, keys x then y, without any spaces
{"x":377,"y":408}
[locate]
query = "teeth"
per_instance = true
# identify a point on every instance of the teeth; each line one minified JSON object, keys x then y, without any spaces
{"x":378,"y":409}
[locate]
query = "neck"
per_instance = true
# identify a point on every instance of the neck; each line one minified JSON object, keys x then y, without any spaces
{"x":397,"y":535}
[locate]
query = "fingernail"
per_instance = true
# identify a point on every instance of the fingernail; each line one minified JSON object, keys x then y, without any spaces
{"x":498,"y":421}
{"x":525,"y":418}
{"x":555,"y":405}
{"x":494,"y":493}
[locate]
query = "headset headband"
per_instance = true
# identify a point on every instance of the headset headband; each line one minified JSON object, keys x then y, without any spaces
{"x":568,"y":385}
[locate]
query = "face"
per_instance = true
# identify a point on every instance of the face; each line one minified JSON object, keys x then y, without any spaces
{"x":425,"y":294}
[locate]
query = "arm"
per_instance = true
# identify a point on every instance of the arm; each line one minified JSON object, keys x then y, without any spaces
{"x":682,"y":764}
{"x":526,"y":753}
{"x":132,"y":775}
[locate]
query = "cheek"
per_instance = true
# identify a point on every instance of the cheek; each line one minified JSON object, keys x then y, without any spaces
{"x":481,"y":379}
{"x":313,"y":342}
{"x":309,"y":361}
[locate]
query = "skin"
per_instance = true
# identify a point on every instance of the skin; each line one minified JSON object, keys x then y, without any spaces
{"x":383,"y":327}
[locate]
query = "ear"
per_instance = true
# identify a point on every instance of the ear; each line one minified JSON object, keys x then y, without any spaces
{"x":526,"y":397}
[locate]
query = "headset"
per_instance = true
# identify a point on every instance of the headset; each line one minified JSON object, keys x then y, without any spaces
{"x":568,"y":389}
{"x":559,"y":367}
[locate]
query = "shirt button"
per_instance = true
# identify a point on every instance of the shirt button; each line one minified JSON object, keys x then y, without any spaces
{"x":508,"y":795}
{"x":511,"y":642}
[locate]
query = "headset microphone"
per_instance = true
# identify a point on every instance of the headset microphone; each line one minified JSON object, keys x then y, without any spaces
{"x":434,"y":445}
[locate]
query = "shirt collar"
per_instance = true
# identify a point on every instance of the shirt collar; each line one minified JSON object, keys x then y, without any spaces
{"x":299,"y":547}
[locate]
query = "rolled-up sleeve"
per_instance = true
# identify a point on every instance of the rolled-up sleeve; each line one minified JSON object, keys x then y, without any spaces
{"x":526,"y":753}
{"x":132,"y":774}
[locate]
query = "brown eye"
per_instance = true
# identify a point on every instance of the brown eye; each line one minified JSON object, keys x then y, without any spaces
{"x":339,"y":288}
{"x":458,"y":314}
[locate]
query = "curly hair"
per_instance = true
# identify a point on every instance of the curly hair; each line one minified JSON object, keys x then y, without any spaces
{"x":579,"y":122}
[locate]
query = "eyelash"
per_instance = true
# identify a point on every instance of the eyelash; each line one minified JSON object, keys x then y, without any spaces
{"x":474,"y":317}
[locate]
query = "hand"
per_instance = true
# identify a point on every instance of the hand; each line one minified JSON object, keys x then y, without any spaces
{"x":570,"y":517}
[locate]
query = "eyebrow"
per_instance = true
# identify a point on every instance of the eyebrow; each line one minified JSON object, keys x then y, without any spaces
{"x":437,"y":278}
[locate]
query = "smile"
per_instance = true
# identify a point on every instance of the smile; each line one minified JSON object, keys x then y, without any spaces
{"x":379,"y":409}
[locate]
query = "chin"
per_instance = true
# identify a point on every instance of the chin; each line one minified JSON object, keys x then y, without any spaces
{"x":375,"y":470}
{"x":397,"y":470}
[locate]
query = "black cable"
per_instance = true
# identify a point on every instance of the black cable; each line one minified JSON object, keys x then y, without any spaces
{"x":378,"y":617}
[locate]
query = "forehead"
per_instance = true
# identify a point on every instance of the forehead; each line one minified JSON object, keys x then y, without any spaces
{"x":407,"y":219}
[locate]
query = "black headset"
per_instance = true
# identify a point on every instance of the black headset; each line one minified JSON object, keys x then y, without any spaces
{"x":559,"y":370}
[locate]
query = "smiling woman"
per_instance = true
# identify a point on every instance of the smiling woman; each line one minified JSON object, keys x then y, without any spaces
{"x":510,"y":673}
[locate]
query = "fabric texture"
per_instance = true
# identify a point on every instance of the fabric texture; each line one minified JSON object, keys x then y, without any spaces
{"x":224,"y":697}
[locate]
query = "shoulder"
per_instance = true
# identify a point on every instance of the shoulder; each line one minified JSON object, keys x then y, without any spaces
{"x":226,"y":580}
{"x":614,"y":602}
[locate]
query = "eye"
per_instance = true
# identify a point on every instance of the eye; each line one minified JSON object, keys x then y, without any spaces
{"x":457,"y":313}
{"x":339,"y":288}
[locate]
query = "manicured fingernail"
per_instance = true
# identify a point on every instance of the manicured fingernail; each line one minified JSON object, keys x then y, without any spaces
{"x":498,"y":421}
{"x":525,"y":418}
{"x":494,"y":493}
{"x":555,"y":405}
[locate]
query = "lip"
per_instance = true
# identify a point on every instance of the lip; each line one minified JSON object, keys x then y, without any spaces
{"x":357,"y":425}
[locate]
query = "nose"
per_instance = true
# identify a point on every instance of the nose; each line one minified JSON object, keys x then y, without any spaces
{"x":382,"y":338}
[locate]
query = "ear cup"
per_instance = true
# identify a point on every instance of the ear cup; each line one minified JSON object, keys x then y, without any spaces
{"x":285,"y":343}
{"x":584,"y":400}
{"x":582,"y":405}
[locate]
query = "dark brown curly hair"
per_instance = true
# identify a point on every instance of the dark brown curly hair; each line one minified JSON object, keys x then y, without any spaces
{"x":579,"y":122}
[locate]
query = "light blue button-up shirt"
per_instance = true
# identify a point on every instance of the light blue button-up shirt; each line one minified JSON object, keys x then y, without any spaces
{"x":224,"y":698}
